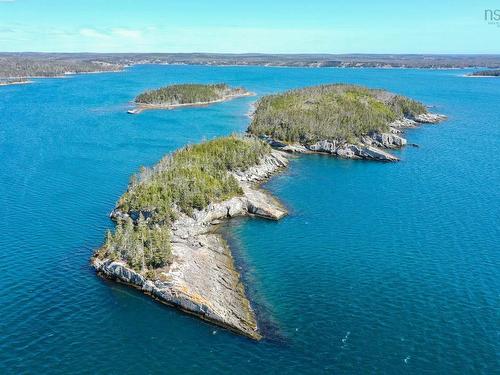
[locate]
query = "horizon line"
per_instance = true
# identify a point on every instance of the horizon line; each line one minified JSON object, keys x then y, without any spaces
{"x":262,"y":53}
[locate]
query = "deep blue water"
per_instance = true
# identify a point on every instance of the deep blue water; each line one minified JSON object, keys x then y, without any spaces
{"x":379,"y":268}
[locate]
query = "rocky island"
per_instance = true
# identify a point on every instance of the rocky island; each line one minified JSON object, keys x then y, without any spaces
{"x":166,"y":242}
{"x":186,"y":95}
{"x":343,"y":120}
{"x":486,"y":73}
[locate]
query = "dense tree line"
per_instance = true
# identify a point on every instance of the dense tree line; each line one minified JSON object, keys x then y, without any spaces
{"x":145,"y":246}
{"x":331,"y":112}
{"x":11,"y":67}
{"x":187,"y":93}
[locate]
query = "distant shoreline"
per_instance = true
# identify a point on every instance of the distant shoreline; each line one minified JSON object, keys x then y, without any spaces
{"x":385,"y":67}
{"x":63,"y":75}
{"x":15,"y":83}
{"x":47,"y":65}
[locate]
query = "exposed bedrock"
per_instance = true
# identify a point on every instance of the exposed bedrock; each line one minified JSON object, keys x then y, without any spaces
{"x":372,"y":146}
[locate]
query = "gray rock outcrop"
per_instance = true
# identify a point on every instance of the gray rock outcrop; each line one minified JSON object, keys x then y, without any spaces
{"x":371,"y":146}
{"x":430,"y":118}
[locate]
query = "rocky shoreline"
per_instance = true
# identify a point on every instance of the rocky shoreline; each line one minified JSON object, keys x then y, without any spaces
{"x":202,"y":279}
{"x":370,"y":147}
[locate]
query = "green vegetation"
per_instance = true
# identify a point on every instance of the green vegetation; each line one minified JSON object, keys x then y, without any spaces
{"x":332,"y":112}
{"x":189,"y":179}
{"x":144,"y":246}
{"x":25,"y":65}
{"x":187,"y":94}
{"x":486,"y":73}
{"x":192,"y":177}
{"x":406,"y":107}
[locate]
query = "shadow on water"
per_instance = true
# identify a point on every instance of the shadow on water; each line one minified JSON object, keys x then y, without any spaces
{"x":117,"y":287}
{"x":269,"y":326}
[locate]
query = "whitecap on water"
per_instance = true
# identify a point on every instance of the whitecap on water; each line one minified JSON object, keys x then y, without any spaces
{"x":344,"y":340}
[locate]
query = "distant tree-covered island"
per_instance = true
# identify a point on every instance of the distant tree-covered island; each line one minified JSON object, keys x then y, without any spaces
{"x":191,"y":94}
{"x":486,"y":73}
{"x":13,"y":81}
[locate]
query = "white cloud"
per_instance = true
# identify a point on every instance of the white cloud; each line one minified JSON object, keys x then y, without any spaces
{"x":92,"y":33}
{"x":107,"y":39}
{"x":127,"y":33}
{"x":115,"y":35}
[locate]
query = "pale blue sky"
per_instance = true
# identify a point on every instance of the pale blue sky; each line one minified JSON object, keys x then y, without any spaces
{"x":270,"y":26}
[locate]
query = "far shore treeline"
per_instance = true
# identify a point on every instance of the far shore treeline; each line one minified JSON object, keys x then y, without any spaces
{"x":30,"y":64}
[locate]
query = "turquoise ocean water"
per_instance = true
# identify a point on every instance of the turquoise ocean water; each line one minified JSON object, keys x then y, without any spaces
{"x":379,"y":268}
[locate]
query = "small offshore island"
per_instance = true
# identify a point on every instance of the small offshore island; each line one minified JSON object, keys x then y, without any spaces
{"x":486,"y":73}
{"x":166,"y":242}
{"x":14,"y":81}
{"x":186,"y":95}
